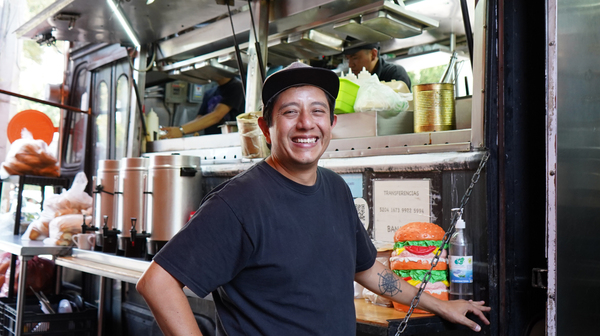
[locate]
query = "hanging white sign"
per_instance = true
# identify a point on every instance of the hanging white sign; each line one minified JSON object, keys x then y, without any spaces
{"x":399,"y":202}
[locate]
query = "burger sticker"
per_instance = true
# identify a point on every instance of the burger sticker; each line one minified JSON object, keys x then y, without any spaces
{"x":415,"y":246}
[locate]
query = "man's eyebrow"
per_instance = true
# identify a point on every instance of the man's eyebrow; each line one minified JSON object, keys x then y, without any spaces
{"x":286,"y":105}
{"x":320,"y":103}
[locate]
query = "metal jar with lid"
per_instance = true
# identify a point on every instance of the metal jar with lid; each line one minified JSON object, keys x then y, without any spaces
{"x":104,"y":203}
{"x":129,"y":193}
{"x":174,"y":191}
{"x":434,"y":107}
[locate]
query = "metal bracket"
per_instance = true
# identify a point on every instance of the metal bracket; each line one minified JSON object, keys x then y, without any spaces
{"x":537,"y":278}
{"x":71,"y":17}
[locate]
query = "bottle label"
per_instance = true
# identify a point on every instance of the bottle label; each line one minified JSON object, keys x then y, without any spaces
{"x":461,"y":269}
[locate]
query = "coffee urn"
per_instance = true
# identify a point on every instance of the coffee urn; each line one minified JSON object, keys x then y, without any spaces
{"x":129,"y":195}
{"x":104,"y":202}
{"x":174,"y":191}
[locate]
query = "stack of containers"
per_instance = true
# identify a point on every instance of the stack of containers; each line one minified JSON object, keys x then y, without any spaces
{"x":346,"y":96}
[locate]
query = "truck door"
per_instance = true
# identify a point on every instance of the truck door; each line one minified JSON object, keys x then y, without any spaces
{"x":111,"y":91}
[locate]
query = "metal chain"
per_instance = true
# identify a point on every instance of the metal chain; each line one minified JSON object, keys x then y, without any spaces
{"x":415,"y":301}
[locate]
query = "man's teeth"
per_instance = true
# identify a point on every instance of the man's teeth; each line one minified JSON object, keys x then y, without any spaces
{"x":311,"y":140}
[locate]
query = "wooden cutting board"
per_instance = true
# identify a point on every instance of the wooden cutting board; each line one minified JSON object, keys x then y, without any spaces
{"x":369,"y":313}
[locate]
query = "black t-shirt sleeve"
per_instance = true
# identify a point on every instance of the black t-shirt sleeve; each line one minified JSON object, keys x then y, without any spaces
{"x":209,"y":251}
{"x":233,"y":95}
{"x":365,"y":250}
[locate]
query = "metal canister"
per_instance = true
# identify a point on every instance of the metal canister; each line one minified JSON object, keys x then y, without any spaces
{"x":129,"y":192}
{"x":434,"y":107}
{"x":174,"y":191}
{"x":104,"y":189}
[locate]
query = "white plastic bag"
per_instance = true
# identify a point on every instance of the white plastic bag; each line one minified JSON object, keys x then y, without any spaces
{"x":36,"y":230}
{"x":73,"y":201}
{"x":375,"y":96}
{"x":76,"y":195}
{"x":64,"y":227}
{"x":376,"y":299}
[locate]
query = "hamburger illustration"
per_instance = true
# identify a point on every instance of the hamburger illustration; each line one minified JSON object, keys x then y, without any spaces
{"x":415,"y":246}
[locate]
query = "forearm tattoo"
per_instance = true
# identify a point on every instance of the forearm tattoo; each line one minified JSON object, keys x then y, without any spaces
{"x":388,"y":283}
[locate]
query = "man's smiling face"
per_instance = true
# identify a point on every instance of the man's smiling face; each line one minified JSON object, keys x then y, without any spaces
{"x":301,"y":127}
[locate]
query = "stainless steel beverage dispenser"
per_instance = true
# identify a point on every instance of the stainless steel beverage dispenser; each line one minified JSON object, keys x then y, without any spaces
{"x":129,"y":196}
{"x":104,"y":205}
{"x":174,"y":191}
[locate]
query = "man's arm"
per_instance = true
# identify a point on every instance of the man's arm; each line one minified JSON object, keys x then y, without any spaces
{"x":169,"y":305}
{"x":382,"y":281}
{"x":198,"y":124}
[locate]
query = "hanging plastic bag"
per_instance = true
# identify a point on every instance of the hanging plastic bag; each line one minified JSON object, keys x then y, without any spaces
{"x":375,"y":96}
{"x":40,"y":275}
{"x":76,"y":195}
{"x":28,"y":156}
{"x":73,"y":201}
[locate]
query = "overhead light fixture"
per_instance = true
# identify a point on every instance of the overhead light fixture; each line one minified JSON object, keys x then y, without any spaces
{"x":124,"y":23}
{"x":148,"y":2}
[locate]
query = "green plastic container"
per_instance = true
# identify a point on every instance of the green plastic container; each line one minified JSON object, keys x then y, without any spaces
{"x":346,"y":97}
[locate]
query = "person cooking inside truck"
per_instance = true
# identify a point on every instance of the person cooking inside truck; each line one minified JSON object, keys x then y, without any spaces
{"x":367,"y":56}
{"x":280,"y":245}
{"x":220,"y":104}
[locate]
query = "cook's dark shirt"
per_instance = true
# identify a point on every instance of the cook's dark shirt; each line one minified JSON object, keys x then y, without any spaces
{"x":388,"y":71}
{"x":230,"y":94}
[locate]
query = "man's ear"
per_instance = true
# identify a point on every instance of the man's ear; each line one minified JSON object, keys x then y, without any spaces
{"x":334,"y":121}
{"x":262,"y":123}
{"x":374,"y":54}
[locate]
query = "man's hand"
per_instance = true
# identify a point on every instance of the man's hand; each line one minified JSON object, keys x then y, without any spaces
{"x":455,"y":311}
{"x":380,"y":280}
{"x":171,"y":132}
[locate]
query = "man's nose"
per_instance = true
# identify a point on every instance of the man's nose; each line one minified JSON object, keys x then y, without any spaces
{"x":305,"y":120}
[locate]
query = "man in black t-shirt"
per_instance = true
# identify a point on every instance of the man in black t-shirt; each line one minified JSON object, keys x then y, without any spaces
{"x":220,"y":104}
{"x":280,"y":244}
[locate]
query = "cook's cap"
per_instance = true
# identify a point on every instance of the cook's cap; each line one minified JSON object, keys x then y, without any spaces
{"x":354,"y":50}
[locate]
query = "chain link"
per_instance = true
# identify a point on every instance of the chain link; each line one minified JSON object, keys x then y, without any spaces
{"x":415,"y":301}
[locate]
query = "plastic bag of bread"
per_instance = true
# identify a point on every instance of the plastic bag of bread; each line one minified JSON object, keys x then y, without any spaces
{"x":64,"y":227}
{"x":73,"y":201}
{"x":40,"y":276}
{"x":28,"y":156}
{"x":4,"y":265}
{"x":37,"y":230}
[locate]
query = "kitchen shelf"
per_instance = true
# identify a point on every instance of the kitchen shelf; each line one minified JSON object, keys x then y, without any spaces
{"x":30,"y":248}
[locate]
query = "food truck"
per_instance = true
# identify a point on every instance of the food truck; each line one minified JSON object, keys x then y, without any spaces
{"x":136,"y":67}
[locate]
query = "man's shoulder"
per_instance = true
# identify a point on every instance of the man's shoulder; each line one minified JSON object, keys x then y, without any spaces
{"x":390,"y":67}
{"x":332,"y":177}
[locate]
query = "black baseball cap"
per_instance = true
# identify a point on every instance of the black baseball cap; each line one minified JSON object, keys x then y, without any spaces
{"x":298,"y":74}
{"x":354,"y":50}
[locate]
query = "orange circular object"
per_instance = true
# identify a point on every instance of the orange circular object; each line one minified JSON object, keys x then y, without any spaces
{"x":36,"y":122}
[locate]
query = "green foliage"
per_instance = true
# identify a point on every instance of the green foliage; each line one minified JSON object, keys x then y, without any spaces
{"x":427,"y":75}
{"x":32,"y":51}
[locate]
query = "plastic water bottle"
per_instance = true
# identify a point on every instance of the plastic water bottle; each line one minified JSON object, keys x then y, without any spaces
{"x":460,"y":259}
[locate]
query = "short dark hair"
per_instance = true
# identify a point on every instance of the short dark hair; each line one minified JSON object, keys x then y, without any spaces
{"x":268,"y":109}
